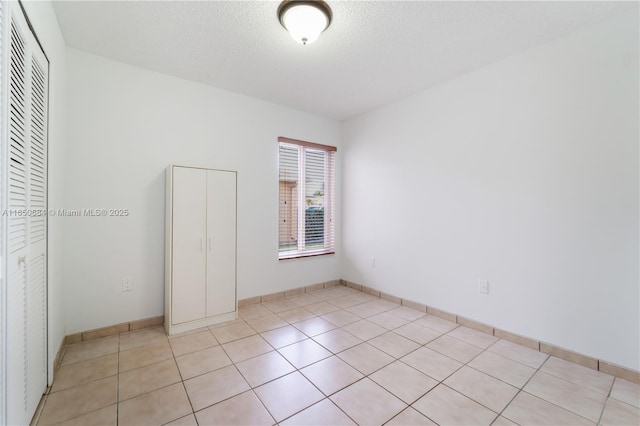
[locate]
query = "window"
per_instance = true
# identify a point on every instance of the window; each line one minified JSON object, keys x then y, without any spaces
{"x":306,"y":195}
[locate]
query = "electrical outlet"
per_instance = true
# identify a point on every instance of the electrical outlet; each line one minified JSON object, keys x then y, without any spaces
{"x":127,"y":284}
{"x":483,"y":286}
{"x":372,"y":262}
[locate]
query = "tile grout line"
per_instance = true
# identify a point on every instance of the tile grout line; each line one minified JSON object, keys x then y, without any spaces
{"x":604,"y":406}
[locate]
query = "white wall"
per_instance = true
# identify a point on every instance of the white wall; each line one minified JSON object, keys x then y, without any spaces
{"x":524,"y":173}
{"x":45,"y":24}
{"x":126,"y":125}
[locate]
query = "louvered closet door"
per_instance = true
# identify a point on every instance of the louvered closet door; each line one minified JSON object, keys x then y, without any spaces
{"x":26,"y":221}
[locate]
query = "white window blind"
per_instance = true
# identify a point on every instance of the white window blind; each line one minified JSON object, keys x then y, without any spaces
{"x":306,"y":197}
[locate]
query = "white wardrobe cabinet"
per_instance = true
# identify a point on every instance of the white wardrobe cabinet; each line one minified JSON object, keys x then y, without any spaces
{"x":200,"y":264}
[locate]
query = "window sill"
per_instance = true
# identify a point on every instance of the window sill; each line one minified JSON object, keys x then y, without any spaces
{"x":301,"y":255}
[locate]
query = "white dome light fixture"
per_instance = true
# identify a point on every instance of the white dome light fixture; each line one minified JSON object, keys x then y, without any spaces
{"x":304,"y":19}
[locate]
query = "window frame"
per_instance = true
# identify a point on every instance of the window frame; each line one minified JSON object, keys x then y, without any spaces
{"x":329,"y":201}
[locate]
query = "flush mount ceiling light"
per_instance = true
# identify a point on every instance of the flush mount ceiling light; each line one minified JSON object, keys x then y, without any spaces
{"x":305,"y":20}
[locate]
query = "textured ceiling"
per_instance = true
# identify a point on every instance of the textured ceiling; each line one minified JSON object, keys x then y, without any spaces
{"x":373,"y":53}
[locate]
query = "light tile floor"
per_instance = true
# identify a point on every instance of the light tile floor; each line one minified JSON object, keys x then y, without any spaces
{"x":331,"y":357}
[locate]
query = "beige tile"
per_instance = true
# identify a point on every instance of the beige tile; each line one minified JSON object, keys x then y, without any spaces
{"x":158,"y":407}
{"x":527,"y":409}
{"x":214,"y":387}
{"x":231,"y":332}
{"x":98,"y":333}
{"x":304,"y":353}
{"x":277,"y":296}
{"x":314,"y":288}
{"x":107,"y":416}
{"x":436,"y":323}
{"x":568,"y":355}
{"x":189,"y":420}
{"x":394,"y":344}
{"x":200,"y":362}
{"x":409,"y":417}
{"x":264,"y":368}
{"x":288,"y":395}
{"x":503,"y":421}
{"x":431,"y":363}
{"x":341,"y":318}
{"x":78,"y":400}
{"x":146,"y":323}
{"x":475,"y":325}
{"x":387,"y":320}
{"x":304,"y":299}
{"x":619,"y":413}
{"x":296,"y":315}
{"x":474,"y":337}
{"x":574,"y":373}
{"x":193,"y":331}
{"x":92,"y":349}
{"x":218,"y":325}
{"x":371,"y":291}
{"x":364,"y":329}
{"x":482,"y":388}
{"x":337,"y":340}
{"x":323,"y":413}
{"x":365,"y":358}
{"x":280,"y":305}
{"x":420,"y":307}
{"x":246,"y":348}
{"x":516,"y":338}
{"x":145,"y":355}
{"x":346,"y":302}
{"x":521,"y":354}
{"x":294,"y":292}
{"x":442,"y":314}
{"x":621,"y":372}
{"x":384,"y":305}
{"x":322,"y":308}
{"x":364,"y":310}
{"x":626,"y":392}
{"x":331,"y":374}
{"x":283,"y":336}
{"x":243,"y":409}
{"x":193,"y":342}
{"x":407,"y":313}
{"x":368,"y":403}
{"x":314,"y":326}
{"x":266,"y":323}
{"x":73,"y":338}
{"x":454,"y":348}
{"x":446,"y":406}
{"x":567,"y":395}
{"x":403,"y":381}
{"x":393,"y":299}
{"x":85,"y":371}
{"x":253,"y":312}
{"x":147,"y":336}
{"x":417,"y":333}
{"x":354,"y":286}
{"x":146,"y":379}
{"x":502,"y":368}
{"x":249,"y":301}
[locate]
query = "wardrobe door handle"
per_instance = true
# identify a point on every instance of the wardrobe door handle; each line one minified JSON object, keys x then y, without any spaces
{"x":210,"y":246}
{"x":201,"y":243}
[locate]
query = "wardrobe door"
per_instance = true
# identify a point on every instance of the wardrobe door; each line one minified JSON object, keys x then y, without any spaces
{"x":221,"y":242}
{"x":26,"y":221}
{"x":189,"y":244}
